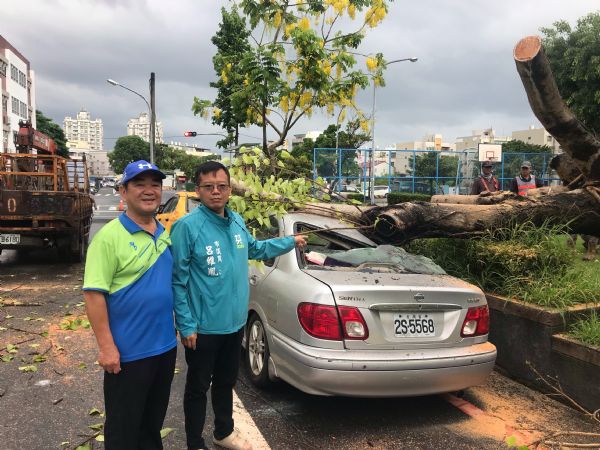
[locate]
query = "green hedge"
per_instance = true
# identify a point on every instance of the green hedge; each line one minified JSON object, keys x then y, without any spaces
{"x":401,"y":197}
{"x":359,"y":197}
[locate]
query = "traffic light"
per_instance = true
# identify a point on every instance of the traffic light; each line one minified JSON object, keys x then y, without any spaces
{"x":189,"y":133}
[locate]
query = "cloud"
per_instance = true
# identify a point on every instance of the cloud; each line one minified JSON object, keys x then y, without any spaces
{"x":465,"y":78}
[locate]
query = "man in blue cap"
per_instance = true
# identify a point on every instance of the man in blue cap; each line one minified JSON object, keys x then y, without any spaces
{"x":129,"y":302}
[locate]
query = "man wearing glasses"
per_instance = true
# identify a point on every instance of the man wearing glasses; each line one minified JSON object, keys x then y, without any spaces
{"x":211,"y":248}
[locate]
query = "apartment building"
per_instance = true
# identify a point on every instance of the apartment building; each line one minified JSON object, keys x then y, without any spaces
{"x":140,"y":126}
{"x":401,"y":160}
{"x":84,"y":129}
{"x":537,"y":136}
{"x":17,"y":86}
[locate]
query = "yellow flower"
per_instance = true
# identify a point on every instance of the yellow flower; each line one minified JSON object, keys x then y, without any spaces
{"x":277,"y":19}
{"x":284,"y":104}
{"x":216,"y":113}
{"x":327,"y":67}
{"x":224,"y":77}
{"x":364,"y":125}
{"x":371,"y":64}
{"x":228,"y":66}
{"x":304,"y":24}
{"x":352,"y":11}
{"x":342,"y":116}
{"x":288,"y":29}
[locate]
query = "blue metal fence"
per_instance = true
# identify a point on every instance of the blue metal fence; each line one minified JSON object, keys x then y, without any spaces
{"x":421,"y":171}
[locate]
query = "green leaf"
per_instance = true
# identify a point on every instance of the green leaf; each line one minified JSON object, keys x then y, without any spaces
{"x":96,"y":426}
{"x":84,"y":447}
{"x":165,"y":432}
{"x":100,"y":438}
{"x":7,"y":358}
{"x":11,"y":348}
{"x":511,"y":441}
{"x":39,"y":358}
{"x":8,"y":316}
{"x":95,"y":412}
{"x":30,"y":368}
{"x":82,"y":365}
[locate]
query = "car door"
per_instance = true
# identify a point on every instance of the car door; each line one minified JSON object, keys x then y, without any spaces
{"x":165,"y":217}
{"x":260,"y":293}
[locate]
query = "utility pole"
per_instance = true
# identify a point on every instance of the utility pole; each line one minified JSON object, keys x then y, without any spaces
{"x":152,"y":118}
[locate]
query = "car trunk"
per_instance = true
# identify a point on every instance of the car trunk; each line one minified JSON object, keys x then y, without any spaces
{"x":403,"y":310}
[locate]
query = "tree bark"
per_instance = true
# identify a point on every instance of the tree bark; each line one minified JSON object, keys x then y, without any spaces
{"x":401,"y":223}
{"x":548,"y":106}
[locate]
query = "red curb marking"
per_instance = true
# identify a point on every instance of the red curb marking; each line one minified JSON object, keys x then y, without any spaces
{"x":523,"y":437}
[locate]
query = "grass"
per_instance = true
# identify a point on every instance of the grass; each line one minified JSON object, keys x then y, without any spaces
{"x":587,"y":330}
{"x":524,"y":261}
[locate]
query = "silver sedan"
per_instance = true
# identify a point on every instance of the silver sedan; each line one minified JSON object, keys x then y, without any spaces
{"x":348,"y":317}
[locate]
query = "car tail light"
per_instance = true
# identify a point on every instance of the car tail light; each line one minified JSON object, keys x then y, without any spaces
{"x":329,"y":322}
{"x":477,"y":322}
{"x":353,"y":323}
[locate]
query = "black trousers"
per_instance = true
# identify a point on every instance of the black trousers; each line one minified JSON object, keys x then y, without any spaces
{"x":136,"y":401}
{"x":216,"y":360}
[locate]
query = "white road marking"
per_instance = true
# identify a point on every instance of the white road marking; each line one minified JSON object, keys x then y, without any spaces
{"x":246,"y":425}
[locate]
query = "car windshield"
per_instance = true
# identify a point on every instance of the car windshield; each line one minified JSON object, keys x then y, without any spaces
{"x":192,"y":202}
{"x":350,"y":250}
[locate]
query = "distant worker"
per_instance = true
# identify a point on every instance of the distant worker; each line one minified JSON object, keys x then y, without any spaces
{"x":525,"y":181}
{"x":486,"y":182}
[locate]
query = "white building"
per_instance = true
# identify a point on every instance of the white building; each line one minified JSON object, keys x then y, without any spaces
{"x":477,"y":137}
{"x":83,"y":129}
{"x":537,"y":136}
{"x":17,"y":84}
{"x":97,"y":161}
{"x":191,"y":149}
{"x":140,"y":126}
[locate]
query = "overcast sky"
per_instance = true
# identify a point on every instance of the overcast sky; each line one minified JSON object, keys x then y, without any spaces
{"x":465,"y":78}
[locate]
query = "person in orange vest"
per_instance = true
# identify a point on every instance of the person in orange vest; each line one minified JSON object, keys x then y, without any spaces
{"x":525,"y":181}
{"x":486,"y":182}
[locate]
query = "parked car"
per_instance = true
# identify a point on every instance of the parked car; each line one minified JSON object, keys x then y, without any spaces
{"x":348,"y":317}
{"x":381,"y":191}
{"x":176,"y":207}
{"x":346,"y":189}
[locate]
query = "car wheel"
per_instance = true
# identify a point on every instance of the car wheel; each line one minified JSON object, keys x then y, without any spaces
{"x":257,"y":353}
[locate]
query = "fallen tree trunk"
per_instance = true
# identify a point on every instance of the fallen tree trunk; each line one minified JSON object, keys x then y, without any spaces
{"x":401,"y":223}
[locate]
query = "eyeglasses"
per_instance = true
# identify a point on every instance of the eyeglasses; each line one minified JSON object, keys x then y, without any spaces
{"x":211,"y":187}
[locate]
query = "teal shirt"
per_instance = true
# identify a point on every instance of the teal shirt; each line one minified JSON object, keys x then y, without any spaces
{"x":210,"y":270}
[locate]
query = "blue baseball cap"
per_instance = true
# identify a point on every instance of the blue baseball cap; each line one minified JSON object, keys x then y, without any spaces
{"x":138,"y":167}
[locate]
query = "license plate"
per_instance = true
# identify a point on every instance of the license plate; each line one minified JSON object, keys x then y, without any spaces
{"x":10,"y":239}
{"x":415,"y":324}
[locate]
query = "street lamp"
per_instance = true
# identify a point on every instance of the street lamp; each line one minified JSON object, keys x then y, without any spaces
{"x":372,"y":156}
{"x":150,"y":109}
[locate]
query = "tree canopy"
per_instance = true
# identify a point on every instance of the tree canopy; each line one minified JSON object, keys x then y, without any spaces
{"x":574,"y":55}
{"x":133,"y":148}
{"x":48,"y":127}
{"x":327,"y":161}
{"x":128,"y":149}
{"x":228,"y":111}
{"x":300,"y":60}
